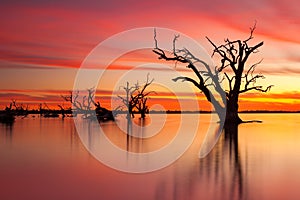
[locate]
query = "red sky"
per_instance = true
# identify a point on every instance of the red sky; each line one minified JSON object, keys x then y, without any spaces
{"x":43,"y":43}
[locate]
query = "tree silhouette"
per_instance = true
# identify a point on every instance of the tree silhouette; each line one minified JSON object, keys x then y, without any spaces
{"x":136,"y":98}
{"x":7,"y":116}
{"x":141,"y":98}
{"x":233,"y":68}
{"x":86,"y":105}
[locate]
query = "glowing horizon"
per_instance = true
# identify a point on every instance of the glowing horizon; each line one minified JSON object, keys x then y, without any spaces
{"x":248,"y":102}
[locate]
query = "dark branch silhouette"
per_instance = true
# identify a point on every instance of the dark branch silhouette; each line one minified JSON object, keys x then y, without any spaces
{"x":8,"y":115}
{"x":136,"y":98}
{"x":234,"y":55}
{"x":86,"y":105}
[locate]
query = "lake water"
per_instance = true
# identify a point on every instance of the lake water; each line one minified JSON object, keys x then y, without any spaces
{"x":47,"y":159}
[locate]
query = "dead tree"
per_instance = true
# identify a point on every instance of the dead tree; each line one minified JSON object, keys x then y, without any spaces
{"x":77,"y":104}
{"x":129,"y":101}
{"x":142,"y":107}
{"x":62,"y":110}
{"x":49,"y":113}
{"x":73,"y":99}
{"x":136,"y":98}
{"x":8,"y":115}
{"x":142,"y":98}
{"x":20,"y":109}
{"x":86,"y":105}
{"x":233,"y":67}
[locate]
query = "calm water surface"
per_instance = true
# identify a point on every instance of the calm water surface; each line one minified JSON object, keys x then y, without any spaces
{"x":45,"y":159}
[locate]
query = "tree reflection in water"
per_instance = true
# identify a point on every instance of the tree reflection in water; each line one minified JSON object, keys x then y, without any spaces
{"x":7,"y":132}
{"x":223,"y":165}
{"x":219,"y":175}
{"x":222,"y":174}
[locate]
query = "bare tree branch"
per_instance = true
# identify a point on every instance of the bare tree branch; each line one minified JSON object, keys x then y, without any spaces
{"x":136,"y":97}
{"x":258,"y":88}
{"x":187,"y":57}
{"x":234,"y":55}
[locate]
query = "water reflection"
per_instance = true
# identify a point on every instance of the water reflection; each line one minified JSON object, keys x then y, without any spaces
{"x":224,"y":166}
{"x":252,"y":161}
{"x":219,"y":175}
{"x":7,"y":132}
{"x":32,"y":132}
{"x":135,"y":144}
{"x":132,"y":139}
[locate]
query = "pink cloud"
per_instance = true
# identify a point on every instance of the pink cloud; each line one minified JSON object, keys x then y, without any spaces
{"x":62,"y":34}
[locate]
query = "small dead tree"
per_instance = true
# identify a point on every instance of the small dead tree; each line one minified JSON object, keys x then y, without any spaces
{"x":142,"y":107}
{"x":136,"y":98}
{"x":62,"y":110}
{"x":86,"y":105}
{"x":142,"y":98}
{"x":234,"y":68}
{"x":72,"y":98}
{"x":20,"y":109}
{"x":8,"y":115}
{"x":128,"y":100}
{"x":82,"y":104}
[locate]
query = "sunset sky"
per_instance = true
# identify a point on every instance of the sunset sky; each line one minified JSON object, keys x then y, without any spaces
{"x":43,"y":44}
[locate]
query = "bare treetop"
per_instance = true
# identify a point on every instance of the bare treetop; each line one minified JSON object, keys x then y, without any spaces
{"x":234,"y":55}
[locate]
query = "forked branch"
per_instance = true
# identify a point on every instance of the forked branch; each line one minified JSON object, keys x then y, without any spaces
{"x":185,"y":56}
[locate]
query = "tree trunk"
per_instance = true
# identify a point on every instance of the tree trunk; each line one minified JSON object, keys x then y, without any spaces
{"x":232,"y":116}
{"x":143,"y":114}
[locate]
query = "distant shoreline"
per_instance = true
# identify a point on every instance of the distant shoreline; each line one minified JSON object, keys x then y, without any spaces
{"x":173,"y":112}
{"x":208,"y":112}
